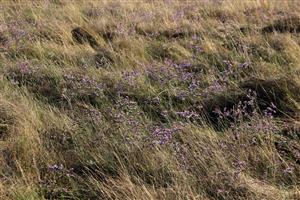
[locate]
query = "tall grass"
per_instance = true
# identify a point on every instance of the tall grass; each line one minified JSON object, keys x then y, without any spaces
{"x":173,"y":100}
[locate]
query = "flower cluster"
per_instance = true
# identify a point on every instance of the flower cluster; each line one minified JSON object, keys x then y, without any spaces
{"x":215,"y":87}
{"x":181,"y":152}
{"x":270,"y":110}
{"x":288,"y":170}
{"x":162,"y":135}
{"x":196,"y":48}
{"x":160,"y":74}
{"x":94,"y":114}
{"x":130,"y":77}
{"x":78,"y":85}
{"x":25,"y":68}
{"x":21,"y":74}
{"x":56,"y":167}
{"x":16,"y":30}
{"x":187,"y":114}
{"x":257,"y":120}
{"x":224,"y":78}
{"x":239,"y":166}
{"x":127,"y":113}
{"x":60,"y":169}
{"x":243,"y":109}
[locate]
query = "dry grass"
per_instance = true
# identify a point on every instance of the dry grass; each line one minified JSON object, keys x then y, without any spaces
{"x":151,"y":100}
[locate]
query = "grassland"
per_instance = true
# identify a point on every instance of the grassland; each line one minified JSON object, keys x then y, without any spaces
{"x":149,"y":100}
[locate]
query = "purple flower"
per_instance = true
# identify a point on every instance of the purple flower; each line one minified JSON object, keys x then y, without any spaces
{"x":240,"y":111}
{"x":178,"y":15}
{"x":193,"y":85}
{"x":244,"y":65}
{"x":131,"y":76}
{"x":24,"y":68}
{"x":288,"y":170}
{"x":270,"y":110}
{"x":181,"y":152}
{"x":216,"y":87}
{"x":187,"y":114}
{"x":56,"y":167}
{"x":182,"y":95}
{"x":163,"y":135}
{"x":164,"y":113}
{"x":240,"y":166}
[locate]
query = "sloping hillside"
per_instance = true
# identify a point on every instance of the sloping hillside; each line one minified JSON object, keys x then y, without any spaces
{"x":149,"y":99}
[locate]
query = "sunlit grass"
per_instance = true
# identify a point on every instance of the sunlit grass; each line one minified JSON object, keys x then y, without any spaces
{"x":155,"y":100}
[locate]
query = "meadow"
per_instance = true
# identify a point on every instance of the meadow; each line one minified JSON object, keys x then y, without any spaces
{"x":149,"y":99}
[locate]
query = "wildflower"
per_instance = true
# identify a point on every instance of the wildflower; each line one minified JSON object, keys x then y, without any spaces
{"x":288,"y":170}
{"x":244,"y":65}
{"x":129,"y":77}
{"x":187,"y":114}
{"x":24,"y":68}
{"x":240,"y":166}
{"x":216,"y":87}
{"x":181,"y":96}
{"x":164,"y":135}
{"x":270,"y":110}
{"x":181,"y":152}
{"x":94,"y":114}
{"x":56,"y":167}
{"x":178,"y":15}
{"x":218,"y":112}
{"x":193,"y":85}
{"x":164,"y":113}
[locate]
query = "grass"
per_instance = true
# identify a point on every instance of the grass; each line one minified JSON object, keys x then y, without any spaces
{"x":149,"y":100}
